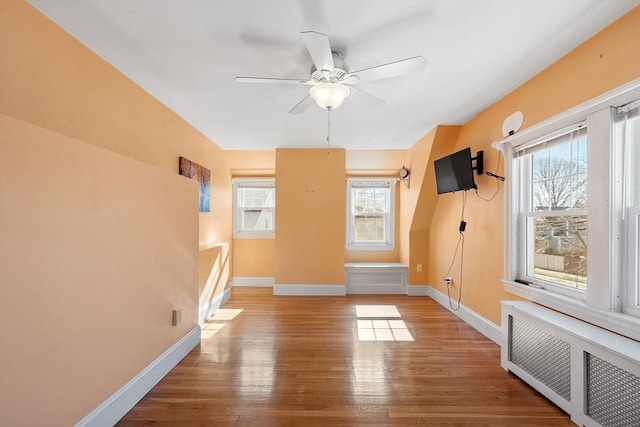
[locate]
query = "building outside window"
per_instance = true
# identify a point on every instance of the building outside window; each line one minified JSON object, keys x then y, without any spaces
{"x":573,"y":212}
{"x":370,"y":214}
{"x":254,"y":208}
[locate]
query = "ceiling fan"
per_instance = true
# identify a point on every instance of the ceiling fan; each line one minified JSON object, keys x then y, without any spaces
{"x":331,"y":80}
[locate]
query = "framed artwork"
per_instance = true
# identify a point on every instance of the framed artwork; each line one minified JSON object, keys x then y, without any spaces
{"x":201,"y":174}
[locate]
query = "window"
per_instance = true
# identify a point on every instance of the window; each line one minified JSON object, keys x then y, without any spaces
{"x":370,"y":214}
{"x":627,"y":136}
{"x":254,"y":208}
{"x":553,"y":212}
{"x":572,"y":211}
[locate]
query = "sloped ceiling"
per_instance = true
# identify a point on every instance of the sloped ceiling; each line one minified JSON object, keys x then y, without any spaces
{"x":186,"y":54}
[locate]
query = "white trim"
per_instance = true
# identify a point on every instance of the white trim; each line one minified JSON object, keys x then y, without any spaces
{"x":473,"y":319}
{"x":418,"y":290}
{"x":310,"y":290}
{"x":618,"y":96}
{"x":217,"y":302}
{"x":254,"y":282}
{"x":582,"y":338}
{"x":389,"y":217}
{"x":119,"y":403}
{"x":619,"y":323}
{"x":370,"y":278}
{"x":369,"y":247}
{"x":237,"y":184}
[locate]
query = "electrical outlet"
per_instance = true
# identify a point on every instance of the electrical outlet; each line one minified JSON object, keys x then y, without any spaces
{"x":419,"y":268}
{"x":448,"y":280}
{"x":176,"y":317}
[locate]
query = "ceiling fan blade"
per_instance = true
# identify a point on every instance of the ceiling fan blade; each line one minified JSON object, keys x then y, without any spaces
{"x":319,"y":49}
{"x":367,"y":98}
{"x":273,"y":80}
{"x":392,"y":69}
{"x":302,"y":106}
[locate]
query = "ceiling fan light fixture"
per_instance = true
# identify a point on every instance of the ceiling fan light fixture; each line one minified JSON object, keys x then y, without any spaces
{"x":329,"y":95}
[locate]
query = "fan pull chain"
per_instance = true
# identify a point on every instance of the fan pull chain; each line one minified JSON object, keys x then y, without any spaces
{"x":329,"y":128}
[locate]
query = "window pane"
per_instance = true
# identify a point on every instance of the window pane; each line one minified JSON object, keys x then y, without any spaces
{"x":256,"y":197}
{"x":557,"y":250}
{"x":559,"y":176}
{"x":633,"y":139}
{"x":257,"y":219}
{"x":369,"y":227}
{"x":370,"y":200}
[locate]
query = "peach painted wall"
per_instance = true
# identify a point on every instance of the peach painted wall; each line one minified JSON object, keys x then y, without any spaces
{"x":50,"y":79}
{"x":52,"y":82}
{"x":382,"y":164}
{"x":310,"y":216}
{"x":254,"y":257}
{"x":607,"y":60}
{"x":96,"y":250}
{"x":251,"y":163}
{"x":417,"y":202}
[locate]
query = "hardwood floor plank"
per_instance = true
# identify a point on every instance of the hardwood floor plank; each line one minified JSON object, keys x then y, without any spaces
{"x":298,"y":361}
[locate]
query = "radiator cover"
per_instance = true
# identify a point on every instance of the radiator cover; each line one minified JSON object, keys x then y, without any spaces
{"x":591,"y":373}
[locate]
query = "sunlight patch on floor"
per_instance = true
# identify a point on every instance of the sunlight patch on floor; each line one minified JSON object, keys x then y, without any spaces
{"x":383,"y":330}
{"x":218,"y":321}
{"x":226,"y":314}
{"x":210,"y":329}
{"x":377,"y":311}
{"x":378,"y":324}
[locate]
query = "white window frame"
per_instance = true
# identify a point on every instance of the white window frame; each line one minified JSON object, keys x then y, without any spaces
{"x":523,"y":171}
{"x":628,"y":173}
{"x":606,"y":296}
{"x":238,"y":232}
{"x":389,"y":220}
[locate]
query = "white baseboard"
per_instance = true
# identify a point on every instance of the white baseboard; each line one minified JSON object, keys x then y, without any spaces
{"x":119,"y":403}
{"x":254,"y":282}
{"x":377,"y":289}
{"x":418,"y":290}
{"x":309,"y":290}
{"x":479,"y":323}
{"x":218,"y":301}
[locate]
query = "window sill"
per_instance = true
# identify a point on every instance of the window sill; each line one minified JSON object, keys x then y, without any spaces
{"x":620,"y":323}
{"x":254,"y":235}
{"x":369,"y":247}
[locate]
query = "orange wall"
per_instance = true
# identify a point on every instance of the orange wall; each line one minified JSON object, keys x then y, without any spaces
{"x":53,"y":83}
{"x":48,"y":78}
{"x":254,"y":257}
{"x":382,"y":164}
{"x":609,"y":59}
{"x":310,"y":216}
{"x":421,"y":202}
{"x":96,"y":250}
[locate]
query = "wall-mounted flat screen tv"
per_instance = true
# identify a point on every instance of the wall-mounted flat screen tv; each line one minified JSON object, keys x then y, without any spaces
{"x":455,"y":172}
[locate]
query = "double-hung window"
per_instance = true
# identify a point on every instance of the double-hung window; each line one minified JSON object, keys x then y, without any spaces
{"x":553,"y":215}
{"x":254,"y":208}
{"x":627,"y":137}
{"x":573,"y":211}
{"x":370,"y":214}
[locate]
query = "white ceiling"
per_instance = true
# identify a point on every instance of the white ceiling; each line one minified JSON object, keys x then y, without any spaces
{"x":187,"y":53}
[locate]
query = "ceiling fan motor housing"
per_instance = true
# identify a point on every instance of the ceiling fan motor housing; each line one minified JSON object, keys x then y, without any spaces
{"x":340,"y":69}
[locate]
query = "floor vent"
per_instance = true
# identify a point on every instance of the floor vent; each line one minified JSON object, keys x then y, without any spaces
{"x":591,"y":373}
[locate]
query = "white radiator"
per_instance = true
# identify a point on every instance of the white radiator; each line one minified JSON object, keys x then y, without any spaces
{"x":591,"y":373}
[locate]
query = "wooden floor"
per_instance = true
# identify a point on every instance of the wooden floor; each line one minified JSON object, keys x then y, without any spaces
{"x":298,"y":361}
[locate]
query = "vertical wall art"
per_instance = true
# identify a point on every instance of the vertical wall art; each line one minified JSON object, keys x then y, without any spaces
{"x":203,"y":175}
